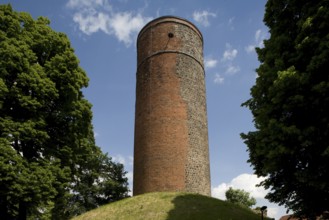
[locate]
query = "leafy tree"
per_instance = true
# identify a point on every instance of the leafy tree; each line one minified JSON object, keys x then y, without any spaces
{"x":48,"y":156}
{"x":102,"y":184}
{"x":240,"y":197}
{"x":290,"y":105}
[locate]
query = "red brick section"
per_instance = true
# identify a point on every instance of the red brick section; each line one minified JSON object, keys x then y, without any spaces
{"x":171,"y":135}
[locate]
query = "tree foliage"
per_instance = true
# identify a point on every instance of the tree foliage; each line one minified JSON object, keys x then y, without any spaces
{"x":240,"y":197}
{"x":50,"y":166}
{"x":290,"y":105}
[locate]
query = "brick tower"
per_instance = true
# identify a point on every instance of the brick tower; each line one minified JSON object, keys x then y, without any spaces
{"x":171,"y":131}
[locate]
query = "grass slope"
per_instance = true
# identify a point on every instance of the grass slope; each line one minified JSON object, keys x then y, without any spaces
{"x":170,"y":206}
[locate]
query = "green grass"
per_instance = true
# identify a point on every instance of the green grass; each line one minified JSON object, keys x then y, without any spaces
{"x":170,"y":206}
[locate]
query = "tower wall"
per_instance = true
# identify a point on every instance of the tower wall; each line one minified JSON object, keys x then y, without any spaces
{"x":171,"y":131}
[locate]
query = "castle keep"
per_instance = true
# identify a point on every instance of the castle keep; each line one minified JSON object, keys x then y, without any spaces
{"x":171,"y":131}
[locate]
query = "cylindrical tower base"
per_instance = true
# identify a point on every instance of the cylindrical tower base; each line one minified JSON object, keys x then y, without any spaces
{"x":171,"y":132}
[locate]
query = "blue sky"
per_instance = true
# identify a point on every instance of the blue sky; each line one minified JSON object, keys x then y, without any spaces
{"x":103,"y":34}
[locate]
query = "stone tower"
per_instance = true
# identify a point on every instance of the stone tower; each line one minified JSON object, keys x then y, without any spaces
{"x":171,"y":131}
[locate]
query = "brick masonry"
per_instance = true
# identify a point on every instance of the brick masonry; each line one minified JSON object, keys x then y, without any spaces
{"x":171,"y":132}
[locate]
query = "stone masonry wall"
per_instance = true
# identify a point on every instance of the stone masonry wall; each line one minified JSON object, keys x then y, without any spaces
{"x":171,"y":131}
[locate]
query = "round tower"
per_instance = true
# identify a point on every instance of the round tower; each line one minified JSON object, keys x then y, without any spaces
{"x":171,"y":130}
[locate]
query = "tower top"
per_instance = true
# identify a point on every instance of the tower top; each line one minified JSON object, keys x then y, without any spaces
{"x":173,"y":19}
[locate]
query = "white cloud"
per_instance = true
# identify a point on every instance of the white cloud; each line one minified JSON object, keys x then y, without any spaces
{"x":91,"y":23}
{"x":130,"y":176}
{"x":85,"y":3}
{"x":93,"y":16}
{"x":248,"y":183}
{"x":230,"y":23}
{"x":231,"y":69}
{"x":219,"y":191}
{"x":119,"y":159}
{"x":96,"y":134}
{"x":244,"y":181}
{"x":218,"y":79}
{"x":260,"y":36}
{"x":125,"y":25}
{"x":127,"y":161}
{"x":230,"y":54}
{"x":202,"y":17}
{"x":274,"y":211}
{"x":131,"y":160}
{"x":250,"y":48}
{"x":227,"y":59}
{"x":210,"y":62}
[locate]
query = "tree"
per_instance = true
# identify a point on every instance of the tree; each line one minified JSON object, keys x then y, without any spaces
{"x":47,"y":146}
{"x":290,"y":105}
{"x":239,"y":196}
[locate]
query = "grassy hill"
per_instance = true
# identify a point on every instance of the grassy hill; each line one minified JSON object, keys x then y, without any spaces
{"x":170,"y":206}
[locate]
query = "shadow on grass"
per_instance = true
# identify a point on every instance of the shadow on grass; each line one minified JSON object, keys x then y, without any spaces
{"x":198,"y":207}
